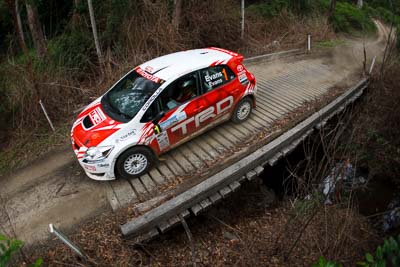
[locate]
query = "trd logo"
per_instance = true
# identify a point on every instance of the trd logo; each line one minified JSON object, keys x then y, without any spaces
{"x":221,"y":106}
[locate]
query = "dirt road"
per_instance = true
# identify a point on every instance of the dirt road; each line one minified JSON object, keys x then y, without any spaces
{"x":55,"y":189}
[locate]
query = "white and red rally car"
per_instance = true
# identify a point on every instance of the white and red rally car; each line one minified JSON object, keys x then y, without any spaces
{"x":158,"y":106}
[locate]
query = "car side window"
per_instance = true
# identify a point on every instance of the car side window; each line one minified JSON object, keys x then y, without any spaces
{"x":214,"y":77}
{"x":180,"y":91}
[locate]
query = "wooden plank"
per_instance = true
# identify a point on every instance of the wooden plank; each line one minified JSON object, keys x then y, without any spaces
{"x":165,"y":171}
{"x":276,"y":103}
{"x":191,"y":157}
{"x":196,"y":209}
{"x":111,"y":197}
{"x":224,"y":134}
{"x":268,"y":104}
{"x":226,"y":142}
{"x":225,"y":191}
{"x":292,"y":90}
{"x":272,"y":161}
{"x":216,"y":145}
{"x":147,"y":182}
{"x":215,"y":198}
{"x":164,"y":226}
{"x":182,"y":160}
{"x":206,"y":147}
{"x":205,"y":204}
{"x":234,"y":186}
{"x":200,"y":152}
{"x":259,"y":170}
{"x":251,"y":175}
{"x":147,"y":236}
{"x":138,"y":186}
{"x":167,"y":225}
{"x":173,"y":165}
{"x":219,"y":181}
{"x":157,"y":177}
{"x":242,"y":179}
{"x":123,"y":192}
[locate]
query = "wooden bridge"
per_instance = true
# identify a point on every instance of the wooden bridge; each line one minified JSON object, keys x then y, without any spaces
{"x":295,"y":96}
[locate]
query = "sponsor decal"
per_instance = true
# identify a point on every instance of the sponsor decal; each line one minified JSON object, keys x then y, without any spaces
{"x":239,"y":68}
{"x":243,"y":78}
{"x":150,"y":101}
{"x":172,"y":120}
{"x":216,"y":78}
{"x":129,"y":134}
{"x":221,"y":106}
{"x":163,"y":140}
{"x":89,"y":167}
{"x":103,"y":165}
{"x":148,"y":76}
{"x":97,"y":116}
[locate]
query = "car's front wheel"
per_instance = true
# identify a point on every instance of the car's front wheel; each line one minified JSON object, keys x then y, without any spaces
{"x":243,"y":110}
{"x":134,"y":162}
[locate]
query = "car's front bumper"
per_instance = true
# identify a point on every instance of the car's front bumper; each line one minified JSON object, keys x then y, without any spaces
{"x":101,"y":170}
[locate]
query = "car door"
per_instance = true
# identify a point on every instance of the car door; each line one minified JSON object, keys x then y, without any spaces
{"x":220,"y":89}
{"x":179,"y":103}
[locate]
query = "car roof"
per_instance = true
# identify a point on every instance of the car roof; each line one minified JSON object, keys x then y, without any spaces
{"x":169,"y":66}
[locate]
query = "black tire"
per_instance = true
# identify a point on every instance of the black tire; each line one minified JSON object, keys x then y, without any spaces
{"x":128,"y":163}
{"x":243,"y":110}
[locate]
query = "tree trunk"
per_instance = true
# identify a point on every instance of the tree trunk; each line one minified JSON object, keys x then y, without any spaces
{"x":176,"y":15}
{"x":360,"y":3}
{"x":36,"y":30}
{"x":13,"y":7}
{"x":76,"y":18}
{"x":94,"y":30}
{"x":332,"y":10}
{"x":19,"y":27}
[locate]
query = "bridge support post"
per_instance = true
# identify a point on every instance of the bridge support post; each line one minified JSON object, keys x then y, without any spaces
{"x":309,"y":43}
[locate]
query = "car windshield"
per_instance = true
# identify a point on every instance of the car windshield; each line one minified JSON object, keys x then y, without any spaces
{"x":128,"y":96}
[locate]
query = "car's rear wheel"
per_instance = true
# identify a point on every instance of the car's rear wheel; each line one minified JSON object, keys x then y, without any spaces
{"x":243,"y":110}
{"x":134,"y":162}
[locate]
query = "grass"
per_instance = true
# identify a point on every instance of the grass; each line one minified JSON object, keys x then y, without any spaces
{"x":330,"y":43}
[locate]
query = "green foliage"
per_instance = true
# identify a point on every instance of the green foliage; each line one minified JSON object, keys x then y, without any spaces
{"x":322,"y":262}
{"x":7,"y":248}
{"x":268,"y":9}
{"x":72,"y":49}
{"x":306,"y":206}
{"x":387,"y":254}
{"x":348,"y":18}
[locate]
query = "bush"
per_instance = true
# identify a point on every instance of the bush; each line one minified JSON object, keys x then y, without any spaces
{"x":72,"y":49}
{"x":7,"y":248}
{"x":275,"y":7}
{"x":268,"y":10}
{"x":348,"y":18}
{"x":386,"y":255}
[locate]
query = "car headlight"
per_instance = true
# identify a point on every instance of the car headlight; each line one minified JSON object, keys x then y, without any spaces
{"x":97,"y":153}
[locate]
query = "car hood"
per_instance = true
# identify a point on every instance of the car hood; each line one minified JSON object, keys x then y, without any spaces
{"x":93,"y":126}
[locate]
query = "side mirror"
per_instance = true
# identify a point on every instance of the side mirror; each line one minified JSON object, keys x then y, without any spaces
{"x":158,"y":117}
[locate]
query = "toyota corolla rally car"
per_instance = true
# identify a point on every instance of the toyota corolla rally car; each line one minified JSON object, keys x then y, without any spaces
{"x":158,"y":106}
